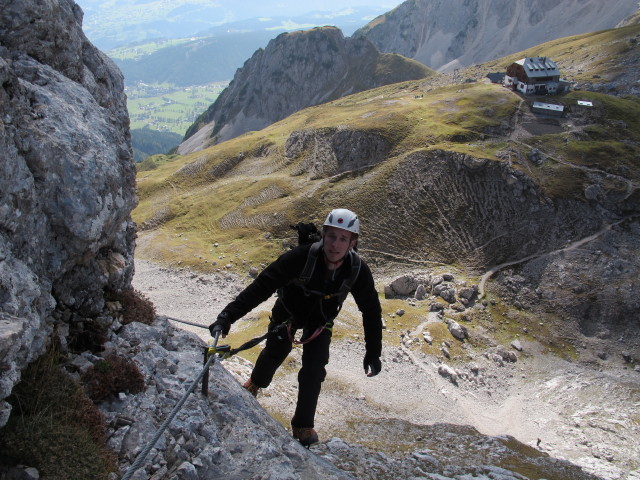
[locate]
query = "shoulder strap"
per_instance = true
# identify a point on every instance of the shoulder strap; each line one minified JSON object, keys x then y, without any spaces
{"x":312,"y":258}
{"x":310,"y":264}
{"x":346,"y":286}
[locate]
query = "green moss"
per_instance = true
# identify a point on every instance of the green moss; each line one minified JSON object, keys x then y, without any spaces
{"x":53,"y":427}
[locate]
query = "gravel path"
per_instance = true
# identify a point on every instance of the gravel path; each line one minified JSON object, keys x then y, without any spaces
{"x":579,"y":413}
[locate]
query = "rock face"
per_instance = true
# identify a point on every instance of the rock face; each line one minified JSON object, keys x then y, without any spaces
{"x":296,"y":70}
{"x":67,"y":179}
{"x":445,"y":35}
{"x":222,"y":435}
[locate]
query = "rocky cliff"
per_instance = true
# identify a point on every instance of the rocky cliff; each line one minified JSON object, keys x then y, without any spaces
{"x":296,"y":70}
{"x":445,"y":34}
{"x":66,"y":184}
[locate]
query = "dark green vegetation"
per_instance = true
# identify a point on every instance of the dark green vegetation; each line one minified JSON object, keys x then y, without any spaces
{"x":189,"y":61}
{"x":160,"y":114}
{"x":148,"y":142}
{"x":55,"y":425}
{"x":167,"y":108}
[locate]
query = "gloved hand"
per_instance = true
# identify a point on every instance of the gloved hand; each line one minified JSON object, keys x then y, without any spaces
{"x":372,"y":365}
{"x":222,"y":325}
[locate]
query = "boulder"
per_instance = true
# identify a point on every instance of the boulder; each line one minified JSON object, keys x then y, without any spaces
{"x":448,"y":372}
{"x":457,"y":330}
{"x":403,"y":286}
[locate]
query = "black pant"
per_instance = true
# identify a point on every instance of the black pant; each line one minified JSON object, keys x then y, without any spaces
{"x":315,"y":356}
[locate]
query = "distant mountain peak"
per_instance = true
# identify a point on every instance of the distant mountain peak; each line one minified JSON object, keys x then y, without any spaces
{"x":297,"y":70}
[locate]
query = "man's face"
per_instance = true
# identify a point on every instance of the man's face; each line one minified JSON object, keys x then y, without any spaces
{"x":336,"y":243}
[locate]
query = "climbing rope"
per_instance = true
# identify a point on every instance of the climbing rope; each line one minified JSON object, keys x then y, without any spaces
{"x":143,"y":454}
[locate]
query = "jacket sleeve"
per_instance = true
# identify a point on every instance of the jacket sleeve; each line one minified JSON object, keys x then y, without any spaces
{"x":276,"y":275}
{"x":366,"y":297}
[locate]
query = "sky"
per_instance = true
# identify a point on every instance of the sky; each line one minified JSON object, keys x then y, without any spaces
{"x":109,"y":23}
{"x":233,"y":10}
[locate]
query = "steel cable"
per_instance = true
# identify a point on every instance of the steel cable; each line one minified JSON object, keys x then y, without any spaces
{"x":143,"y":454}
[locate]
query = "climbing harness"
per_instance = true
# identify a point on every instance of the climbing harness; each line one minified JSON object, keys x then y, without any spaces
{"x":307,"y":271}
{"x":318,"y":331}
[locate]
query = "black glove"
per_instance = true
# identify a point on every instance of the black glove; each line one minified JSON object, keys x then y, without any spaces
{"x":222,"y":324}
{"x":372,"y":365}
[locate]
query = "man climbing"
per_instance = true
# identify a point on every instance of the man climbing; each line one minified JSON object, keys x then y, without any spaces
{"x":312,"y":281}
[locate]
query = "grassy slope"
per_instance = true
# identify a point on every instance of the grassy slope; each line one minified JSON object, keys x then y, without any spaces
{"x":209,"y":205}
{"x":199,"y":203}
{"x":591,"y":57}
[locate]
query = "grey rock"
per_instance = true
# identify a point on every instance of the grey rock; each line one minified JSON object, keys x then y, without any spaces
{"x":404,"y":286}
{"x":457,"y":330}
{"x":223,"y":433}
{"x":448,"y":372}
{"x":428,"y":31}
{"x":67,"y":177}
{"x":468,"y":292}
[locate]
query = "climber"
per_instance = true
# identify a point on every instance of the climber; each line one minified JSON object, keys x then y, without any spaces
{"x":312,"y":281}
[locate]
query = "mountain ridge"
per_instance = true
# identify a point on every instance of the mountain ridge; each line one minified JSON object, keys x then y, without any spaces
{"x":445,"y":35}
{"x":294,"y":71}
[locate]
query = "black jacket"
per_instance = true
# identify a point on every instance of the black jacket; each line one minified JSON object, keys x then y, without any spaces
{"x":309,"y":310}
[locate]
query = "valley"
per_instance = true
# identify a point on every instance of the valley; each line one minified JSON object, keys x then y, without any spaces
{"x":503,"y":237}
{"x":167,"y":108}
{"x":470,"y":181}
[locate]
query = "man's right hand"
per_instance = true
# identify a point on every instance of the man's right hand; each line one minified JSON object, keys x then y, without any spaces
{"x":222,"y":325}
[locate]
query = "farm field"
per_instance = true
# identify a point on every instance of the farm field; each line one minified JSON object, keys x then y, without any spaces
{"x":168,"y":108}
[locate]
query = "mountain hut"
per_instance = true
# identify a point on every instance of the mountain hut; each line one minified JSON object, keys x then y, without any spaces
{"x":535,"y":75}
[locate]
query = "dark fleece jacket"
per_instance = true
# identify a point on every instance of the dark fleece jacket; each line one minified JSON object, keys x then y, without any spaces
{"x":309,"y":310}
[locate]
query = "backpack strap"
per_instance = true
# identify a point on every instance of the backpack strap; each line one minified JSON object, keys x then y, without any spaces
{"x":306,"y":273}
{"x":347,"y":284}
{"x":310,"y":265}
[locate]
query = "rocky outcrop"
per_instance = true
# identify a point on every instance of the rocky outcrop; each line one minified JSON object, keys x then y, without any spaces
{"x":224,"y":434}
{"x":445,"y":34}
{"x":66,"y":183}
{"x":330,"y":151}
{"x":297,"y":70}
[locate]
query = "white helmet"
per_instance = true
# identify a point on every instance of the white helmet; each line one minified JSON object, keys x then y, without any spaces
{"x":343,"y":219}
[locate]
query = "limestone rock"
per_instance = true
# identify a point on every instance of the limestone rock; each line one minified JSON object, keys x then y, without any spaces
{"x":457,"y":330}
{"x":67,"y":176}
{"x":448,"y":372}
